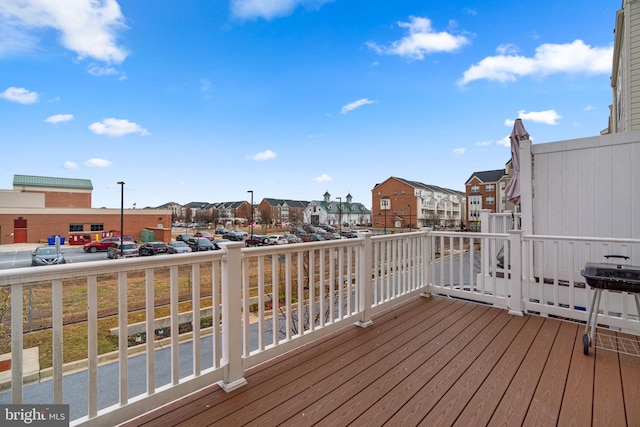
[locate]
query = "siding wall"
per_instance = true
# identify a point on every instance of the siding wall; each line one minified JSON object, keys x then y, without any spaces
{"x":631,"y":50}
{"x":588,"y":187}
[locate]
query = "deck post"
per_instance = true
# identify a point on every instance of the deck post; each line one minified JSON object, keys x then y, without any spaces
{"x":514,"y":266}
{"x":366,"y":290}
{"x":232,"y":362}
{"x":427,"y":261}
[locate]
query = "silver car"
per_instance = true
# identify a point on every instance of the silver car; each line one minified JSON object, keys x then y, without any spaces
{"x":46,"y":255}
{"x":179,"y":247}
{"x":124,"y":250}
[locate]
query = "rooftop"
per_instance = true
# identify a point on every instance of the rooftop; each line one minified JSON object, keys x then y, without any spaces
{"x":52,"y":182}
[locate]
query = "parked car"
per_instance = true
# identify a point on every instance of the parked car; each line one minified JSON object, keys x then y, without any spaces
{"x":184,"y":237}
{"x":122,"y":250}
{"x":257,"y":240}
{"x":349,"y":234}
{"x":179,"y":247}
{"x":327,"y":228}
{"x":198,"y":244}
{"x":292,"y":238}
{"x":47,"y":255}
{"x":205,"y":234}
{"x":105,"y":244}
{"x":221,"y":230}
{"x":313,"y":237}
{"x":234,"y":236}
{"x":277,"y":239}
{"x":153,"y":248}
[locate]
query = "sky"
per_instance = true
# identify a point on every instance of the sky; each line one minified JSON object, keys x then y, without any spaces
{"x":206,"y":100}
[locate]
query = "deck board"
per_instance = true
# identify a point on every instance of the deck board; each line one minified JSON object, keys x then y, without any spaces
{"x":428,"y":361}
{"x":484,"y":403}
{"x":608,"y":408}
{"x":544,"y":409}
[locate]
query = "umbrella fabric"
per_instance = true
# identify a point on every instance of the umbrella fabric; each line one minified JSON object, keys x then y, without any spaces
{"x":518,"y":134}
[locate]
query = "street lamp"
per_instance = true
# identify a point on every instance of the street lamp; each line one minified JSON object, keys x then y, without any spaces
{"x":339,"y":215}
{"x":121,"y":183}
{"x":251,"y":225}
{"x":385,"y":207}
{"x":409,"y":218}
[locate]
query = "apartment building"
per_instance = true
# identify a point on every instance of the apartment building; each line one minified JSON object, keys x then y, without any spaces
{"x":402,"y":203}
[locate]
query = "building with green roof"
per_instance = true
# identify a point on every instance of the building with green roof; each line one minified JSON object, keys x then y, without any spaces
{"x":333,"y":212}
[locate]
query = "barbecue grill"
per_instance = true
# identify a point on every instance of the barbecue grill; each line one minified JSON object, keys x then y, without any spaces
{"x":613,"y":277}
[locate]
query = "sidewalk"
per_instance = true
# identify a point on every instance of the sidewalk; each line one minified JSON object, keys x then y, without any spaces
{"x":15,"y":247}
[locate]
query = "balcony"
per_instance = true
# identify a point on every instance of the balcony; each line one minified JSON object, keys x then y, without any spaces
{"x":383,"y":329}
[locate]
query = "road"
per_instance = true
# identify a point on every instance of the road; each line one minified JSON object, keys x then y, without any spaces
{"x":22,"y":258}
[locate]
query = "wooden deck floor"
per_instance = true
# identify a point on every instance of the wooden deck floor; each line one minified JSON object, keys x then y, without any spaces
{"x":431,"y":362}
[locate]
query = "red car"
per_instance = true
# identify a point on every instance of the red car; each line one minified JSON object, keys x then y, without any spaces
{"x":104,"y":244}
{"x":205,"y":234}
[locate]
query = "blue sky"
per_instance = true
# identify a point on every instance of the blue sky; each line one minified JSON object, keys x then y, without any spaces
{"x":204,"y":100}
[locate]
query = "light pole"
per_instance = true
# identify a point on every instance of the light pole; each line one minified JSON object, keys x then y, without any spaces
{"x":251,"y":225}
{"x":409,"y":218}
{"x":339,"y":215}
{"x":121,"y":183}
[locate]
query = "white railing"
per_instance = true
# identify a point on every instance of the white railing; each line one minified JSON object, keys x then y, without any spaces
{"x":266,"y":301}
{"x":552,"y":283}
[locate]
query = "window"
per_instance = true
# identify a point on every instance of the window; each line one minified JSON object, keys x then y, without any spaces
{"x":475,"y":188}
{"x":489,"y":187}
{"x":75,"y":227}
{"x":97,"y":227}
{"x":491,"y":200}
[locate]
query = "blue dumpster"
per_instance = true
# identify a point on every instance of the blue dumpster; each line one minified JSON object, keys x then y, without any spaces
{"x":52,"y":240}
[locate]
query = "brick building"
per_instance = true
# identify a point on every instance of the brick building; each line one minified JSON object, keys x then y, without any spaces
{"x":486,"y":190}
{"x":402,"y":203}
{"x":279,"y":211}
{"x":40,"y":207}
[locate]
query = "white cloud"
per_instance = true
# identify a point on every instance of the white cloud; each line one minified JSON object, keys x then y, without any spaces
{"x":117,"y":127}
{"x":70,"y":165}
{"x":20,"y":95}
{"x":59,"y":118}
{"x":459,"y":150}
{"x":356,"y":104}
{"x":421,"y":40}
{"x":570,"y":58}
{"x":548,"y":117}
{"x":88,"y":28}
{"x":268,"y":9}
{"x":323,"y":178}
{"x":483,"y":143}
{"x":505,"y":141}
{"x":264,"y":155}
{"x":97,"y":163}
{"x":507,"y":49}
{"x":100,"y":71}
{"x":589,"y":108}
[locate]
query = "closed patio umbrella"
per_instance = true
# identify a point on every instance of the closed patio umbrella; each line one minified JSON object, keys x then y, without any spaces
{"x":519,"y":133}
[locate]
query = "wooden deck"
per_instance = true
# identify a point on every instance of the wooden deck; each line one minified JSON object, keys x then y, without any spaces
{"x":431,"y":362}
